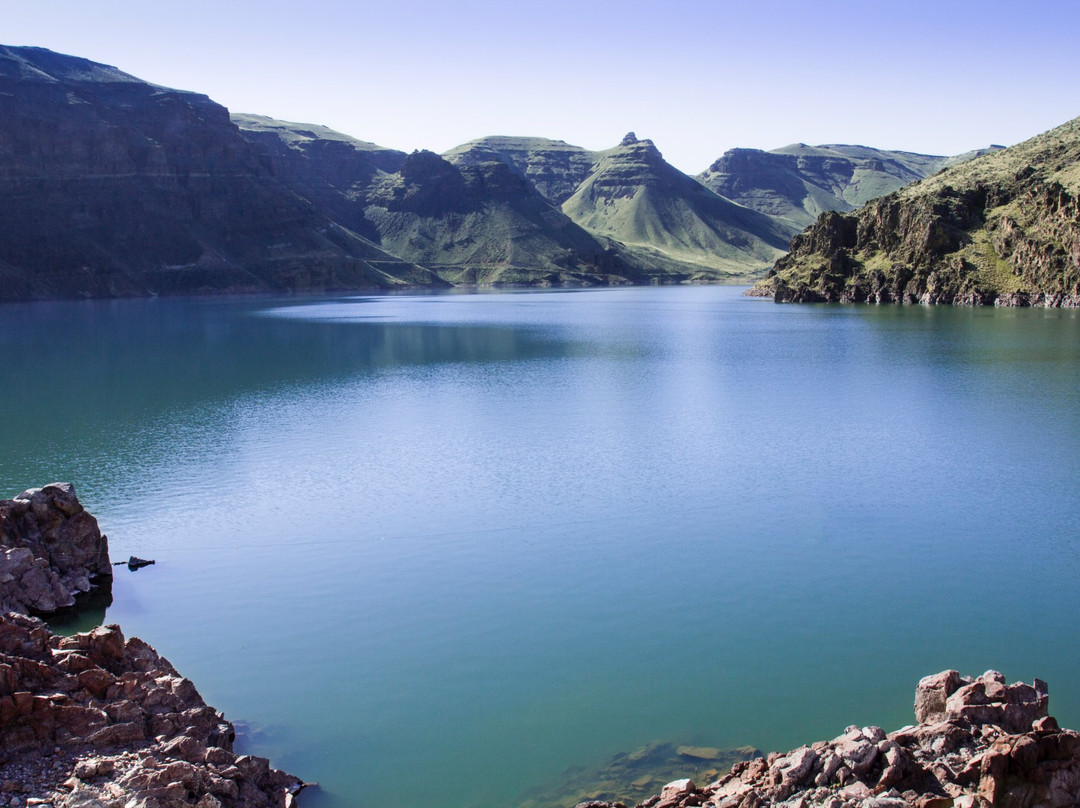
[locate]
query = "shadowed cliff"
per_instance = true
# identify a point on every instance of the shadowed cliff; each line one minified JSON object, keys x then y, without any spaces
{"x":113,"y":186}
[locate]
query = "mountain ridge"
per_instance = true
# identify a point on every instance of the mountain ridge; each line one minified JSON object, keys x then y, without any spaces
{"x":636,"y":197}
{"x":115,"y":186}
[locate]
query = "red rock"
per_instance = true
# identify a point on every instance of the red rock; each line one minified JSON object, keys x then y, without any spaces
{"x":931,"y":694}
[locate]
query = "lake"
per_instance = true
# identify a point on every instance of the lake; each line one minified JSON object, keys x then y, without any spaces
{"x":440,"y":548}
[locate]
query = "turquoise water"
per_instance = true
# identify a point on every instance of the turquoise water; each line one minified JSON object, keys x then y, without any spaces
{"x":435,"y":549}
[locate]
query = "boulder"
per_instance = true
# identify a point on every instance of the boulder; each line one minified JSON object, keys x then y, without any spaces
{"x":51,"y":550}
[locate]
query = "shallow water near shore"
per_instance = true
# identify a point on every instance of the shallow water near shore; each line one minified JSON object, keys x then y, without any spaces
{"x":437,"y":549}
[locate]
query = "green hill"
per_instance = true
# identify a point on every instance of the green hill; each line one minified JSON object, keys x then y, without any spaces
{"x":635,"y":197}
{"x":483,"y":223}
{"x":475,"y":216}
{"x":553,"y":167}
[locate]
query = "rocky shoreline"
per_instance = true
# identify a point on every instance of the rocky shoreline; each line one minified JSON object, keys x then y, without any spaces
{"x":979,"y":743}
{"x":96,"y":720}
{"x":1012,"y":300}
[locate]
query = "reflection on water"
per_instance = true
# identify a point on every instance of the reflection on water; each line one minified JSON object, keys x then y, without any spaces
{"x":87,"y":613}
{"x":464,"y":542}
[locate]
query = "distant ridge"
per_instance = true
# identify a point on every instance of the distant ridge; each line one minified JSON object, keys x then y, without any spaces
{"x":636,"y":197}
{"x":797,"y":183}
{"x":553,"y":167}
{"x":476,"y":221}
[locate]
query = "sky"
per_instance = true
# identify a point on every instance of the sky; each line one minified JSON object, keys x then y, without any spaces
{"x":696,"y":77}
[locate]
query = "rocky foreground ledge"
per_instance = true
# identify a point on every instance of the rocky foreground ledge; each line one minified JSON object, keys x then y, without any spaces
{"x":979,"y":742}
{"x":94,"y":720}
{"x":97,"y":720}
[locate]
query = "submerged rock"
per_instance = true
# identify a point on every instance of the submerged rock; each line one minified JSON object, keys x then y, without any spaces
{"x":630,"y":777}
{"x":51,"y":550}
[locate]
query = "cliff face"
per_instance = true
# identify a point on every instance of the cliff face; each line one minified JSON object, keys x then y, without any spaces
{"x":331,"y":170}
{"x":637,"y":198}
{"x":1003,"y":228}
{"x":113,"y":186}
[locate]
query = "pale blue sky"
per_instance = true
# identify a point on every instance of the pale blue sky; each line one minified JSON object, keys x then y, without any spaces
{"x":697,"y":77}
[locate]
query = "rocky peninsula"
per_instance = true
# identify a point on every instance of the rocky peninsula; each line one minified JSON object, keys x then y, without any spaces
{"x":1002,"y":229}
{"x":97,"y":719}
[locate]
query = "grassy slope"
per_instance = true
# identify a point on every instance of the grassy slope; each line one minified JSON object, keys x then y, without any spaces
{"x":635,"y":197}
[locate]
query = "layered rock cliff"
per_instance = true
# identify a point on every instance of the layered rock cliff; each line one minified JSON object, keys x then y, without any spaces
{"x":482,"y":222}
{"x":979,"y":743}
{"x":554,"y":168}
{"x":329,"y":169}
{"x":113,"y":186}
{"x":1003,"y":228}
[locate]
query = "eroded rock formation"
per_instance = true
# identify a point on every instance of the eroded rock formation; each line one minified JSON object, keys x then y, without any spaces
{"x":979,"y":743}
{"x":51,"y":550}
{"x":97,"y":720}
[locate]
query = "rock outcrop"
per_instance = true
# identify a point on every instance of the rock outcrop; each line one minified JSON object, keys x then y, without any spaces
{"x":97,"y":720}
{"x":979,"y":743}
{"x":51,"y":550}
{"x":1001,"y":229}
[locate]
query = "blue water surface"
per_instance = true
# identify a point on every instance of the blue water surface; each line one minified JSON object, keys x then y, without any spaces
{"x":435,"y":549}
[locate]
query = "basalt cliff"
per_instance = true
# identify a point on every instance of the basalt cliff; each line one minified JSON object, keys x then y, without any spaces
{"x":1002,"y":229}
{"x":96,"y":719}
